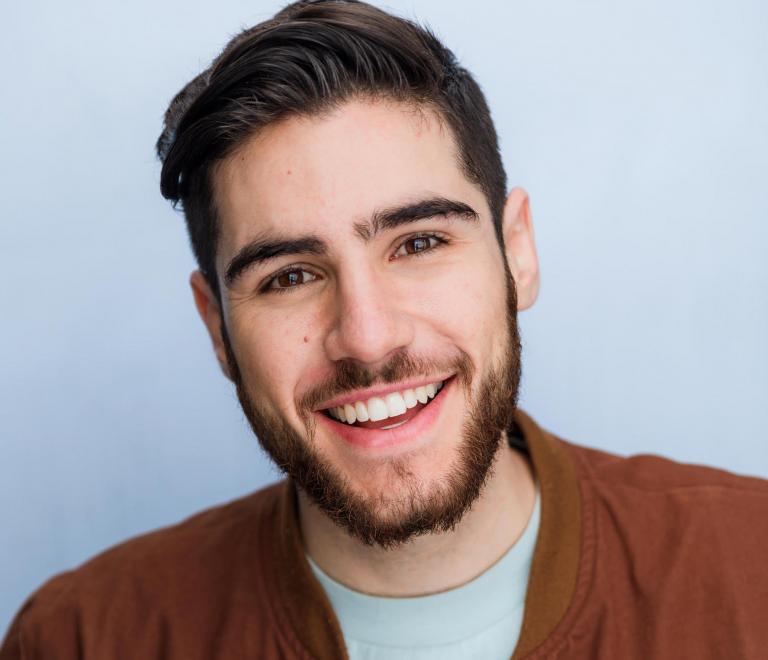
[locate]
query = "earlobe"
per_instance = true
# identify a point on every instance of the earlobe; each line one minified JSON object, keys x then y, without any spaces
{"x":520,"y":247}
{"x":210,"y":312}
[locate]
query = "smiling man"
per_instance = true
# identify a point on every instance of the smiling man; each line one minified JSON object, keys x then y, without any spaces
{"x":361,"y":269}
{"x":368,"y":319}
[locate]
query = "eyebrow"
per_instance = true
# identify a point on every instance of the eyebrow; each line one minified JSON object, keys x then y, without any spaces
{"x":400,"y":215}
{"x":261,"y":250}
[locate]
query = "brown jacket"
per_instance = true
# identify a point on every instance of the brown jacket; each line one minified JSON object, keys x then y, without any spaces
{"x":636,"y":558}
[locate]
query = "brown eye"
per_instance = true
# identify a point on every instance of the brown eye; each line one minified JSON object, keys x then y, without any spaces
{"x":291,"y":278}
{"x":418,"y":244}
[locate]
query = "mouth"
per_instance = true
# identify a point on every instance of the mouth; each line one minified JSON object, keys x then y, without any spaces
{"x":389,"y":419}
{"x":388,"y":411}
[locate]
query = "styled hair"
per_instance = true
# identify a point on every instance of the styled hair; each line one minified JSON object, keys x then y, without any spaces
{"x":311,"y":57}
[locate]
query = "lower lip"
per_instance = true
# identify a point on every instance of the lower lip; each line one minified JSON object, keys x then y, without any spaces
{"x":406,"y":433}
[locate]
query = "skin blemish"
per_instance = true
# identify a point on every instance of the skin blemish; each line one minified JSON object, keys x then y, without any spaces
{"x":306,"y":339}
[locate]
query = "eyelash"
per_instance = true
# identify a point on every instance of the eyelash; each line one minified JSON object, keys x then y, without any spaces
{"x":269,"y":289}
{"x":440,"y":241}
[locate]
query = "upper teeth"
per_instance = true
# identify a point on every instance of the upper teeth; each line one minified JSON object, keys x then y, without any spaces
{"x":391,"y":405}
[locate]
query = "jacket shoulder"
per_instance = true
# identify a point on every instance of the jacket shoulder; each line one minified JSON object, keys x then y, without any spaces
{"x":191,"y":573}
{"x":155,"y":560}
{"x":652,"y":473}
{"x":659,"y":495}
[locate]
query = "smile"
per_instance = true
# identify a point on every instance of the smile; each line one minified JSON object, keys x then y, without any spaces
{"x":395,"y":420}
{"x":377,"y":409}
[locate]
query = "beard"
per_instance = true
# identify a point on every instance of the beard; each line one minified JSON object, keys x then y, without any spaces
{"x":390,"y":520}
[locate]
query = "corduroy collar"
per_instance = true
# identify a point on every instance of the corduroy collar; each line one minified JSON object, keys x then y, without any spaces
{"x":305,"y":608}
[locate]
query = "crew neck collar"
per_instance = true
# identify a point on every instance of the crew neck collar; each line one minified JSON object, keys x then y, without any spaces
{"x":378,"y":620}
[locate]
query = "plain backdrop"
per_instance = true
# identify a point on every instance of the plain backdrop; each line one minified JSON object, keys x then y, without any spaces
{"x":639,"y":127}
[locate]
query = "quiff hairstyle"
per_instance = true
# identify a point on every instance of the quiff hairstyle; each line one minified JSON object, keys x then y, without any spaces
{"x":309,"y":58}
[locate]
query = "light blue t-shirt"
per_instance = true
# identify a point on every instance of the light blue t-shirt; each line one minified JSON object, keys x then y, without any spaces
{"x":480,"y":619}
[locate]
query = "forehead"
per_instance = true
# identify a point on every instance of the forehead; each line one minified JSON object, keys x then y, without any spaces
{"x":322,"y":174}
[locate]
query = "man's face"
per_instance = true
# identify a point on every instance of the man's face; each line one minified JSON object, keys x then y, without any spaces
{"x":360,"y":271}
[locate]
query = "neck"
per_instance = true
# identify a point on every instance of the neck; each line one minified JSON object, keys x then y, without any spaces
{"x":433,"y":562}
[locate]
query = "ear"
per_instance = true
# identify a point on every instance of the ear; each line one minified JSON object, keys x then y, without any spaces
{"x":210,"y":312}
{"x":520,"y":247}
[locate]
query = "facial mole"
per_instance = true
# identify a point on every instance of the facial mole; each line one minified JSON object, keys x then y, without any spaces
{"x":306,"y":339}
{"x":289,"y":172}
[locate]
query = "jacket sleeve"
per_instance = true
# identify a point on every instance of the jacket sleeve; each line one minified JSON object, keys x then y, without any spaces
{"x":11,"y":648}
{"x":45,"y":628}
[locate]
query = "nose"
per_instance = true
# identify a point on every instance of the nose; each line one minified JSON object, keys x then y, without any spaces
{"x":370,"y":321}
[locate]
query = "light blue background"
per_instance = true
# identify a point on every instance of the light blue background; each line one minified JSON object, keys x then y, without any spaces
{"x":640,"y":128}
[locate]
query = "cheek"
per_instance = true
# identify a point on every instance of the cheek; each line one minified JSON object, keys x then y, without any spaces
{"x":466,"y":306}
{"x":272,"y":352}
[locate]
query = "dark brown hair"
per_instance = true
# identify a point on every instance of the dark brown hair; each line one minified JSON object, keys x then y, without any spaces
{"x":314,"y":55}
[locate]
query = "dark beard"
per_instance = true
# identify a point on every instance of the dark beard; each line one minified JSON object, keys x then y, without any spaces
{"x":415,"y":512}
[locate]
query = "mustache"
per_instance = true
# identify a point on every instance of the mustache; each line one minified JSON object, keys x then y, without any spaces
{"x":349,"y":375}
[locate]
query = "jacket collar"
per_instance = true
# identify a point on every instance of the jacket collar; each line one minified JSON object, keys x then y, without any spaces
{"x":555,"y":566}
{"x":306,"y":610}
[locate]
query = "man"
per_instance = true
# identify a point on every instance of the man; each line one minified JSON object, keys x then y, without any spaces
{"x":361,"y":269}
